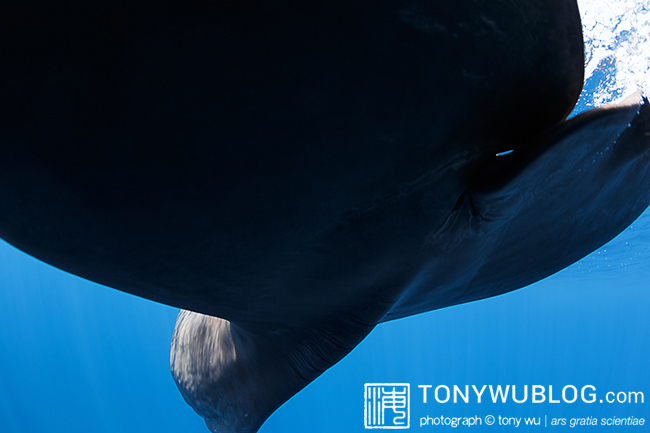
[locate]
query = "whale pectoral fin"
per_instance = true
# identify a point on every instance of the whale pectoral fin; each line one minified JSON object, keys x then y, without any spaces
{"x":584,"y":184}
{"x":235,"y":378}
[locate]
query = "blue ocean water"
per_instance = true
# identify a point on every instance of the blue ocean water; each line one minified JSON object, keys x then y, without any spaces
{"x":79,"y":357}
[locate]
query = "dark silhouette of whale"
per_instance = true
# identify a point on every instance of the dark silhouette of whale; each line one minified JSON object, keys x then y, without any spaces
{"x":294,"y":173}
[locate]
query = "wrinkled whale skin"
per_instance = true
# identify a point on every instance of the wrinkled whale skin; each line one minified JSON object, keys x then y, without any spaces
{"x":291,"y":174}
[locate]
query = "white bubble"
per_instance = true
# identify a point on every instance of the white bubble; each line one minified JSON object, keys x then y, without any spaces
{"x":617,"y":49}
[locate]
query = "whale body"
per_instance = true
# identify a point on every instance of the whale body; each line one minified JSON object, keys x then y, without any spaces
{"x":291,"y":174}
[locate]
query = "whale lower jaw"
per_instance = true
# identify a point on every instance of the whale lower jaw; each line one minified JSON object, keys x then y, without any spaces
{"x":209,"y":364}
{"x":235,"y":378}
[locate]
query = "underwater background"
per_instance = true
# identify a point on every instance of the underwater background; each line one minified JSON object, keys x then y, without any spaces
{"x":78,"y":357}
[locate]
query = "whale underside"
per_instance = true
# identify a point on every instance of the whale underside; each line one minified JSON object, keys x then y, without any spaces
{"x":291,"y":174}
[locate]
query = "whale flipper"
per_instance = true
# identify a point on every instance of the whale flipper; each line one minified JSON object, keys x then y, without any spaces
{"x":540,"y":208}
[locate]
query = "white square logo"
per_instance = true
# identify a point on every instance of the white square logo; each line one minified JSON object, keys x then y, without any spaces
{"x":387,"y":405}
